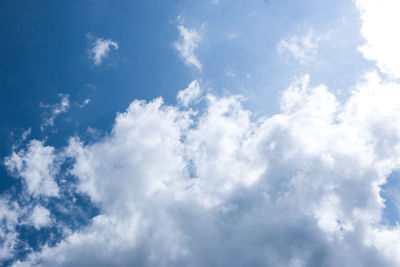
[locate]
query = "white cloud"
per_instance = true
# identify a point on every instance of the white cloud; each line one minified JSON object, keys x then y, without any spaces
{"x":302,"y":48}
{"x":37,"y":167}
{"x":100,"y":48}
{"x":9,"y":214}
{"x":230,"y":74}
{"x":218,"y":187}
{"x":25,"y":134}
{"x":84,"y":103}
{"x":379,"y":27}
{"x":187,"y":44}
{"x":13,"y":216}
{"x":188,"y":95}
{"x":40,"y":217}
{"x":54,"y":111}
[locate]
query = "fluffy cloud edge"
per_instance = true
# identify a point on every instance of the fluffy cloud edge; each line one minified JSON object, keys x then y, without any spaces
{"x":187,"y":45}
{"x":227,"y":167}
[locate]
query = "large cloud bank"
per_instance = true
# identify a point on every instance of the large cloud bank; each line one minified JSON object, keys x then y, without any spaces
{"x":220,"y":188}
{"x":208,"y":183}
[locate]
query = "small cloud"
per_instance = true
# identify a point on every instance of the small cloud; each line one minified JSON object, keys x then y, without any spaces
{"x":187,"y":44}
{"x":19,"y":136}
{"x":232,"y":36}
{"x":99,"y":48}
{"x":40,"y":217}
{"x":302,"y":48}
{"x":25,"y":134}
{"x":230,"y":74}
{"x":84,"y":103}
{"x":55,"y":110}
{"x":215,"y":2}
{"x":188,"y":95}
{"x":93,"y":133}
{"x":36,"y":166}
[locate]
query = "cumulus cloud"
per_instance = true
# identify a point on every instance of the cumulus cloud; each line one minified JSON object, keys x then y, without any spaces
{"x":16,"y":213}
{"x":9,"y":214}
{"x":54,"y":111}
{"x":219,"y":187}
{"x":40,"y":217}
{"x":214,"y":185}
{"x":36,"y":166}
{"x":188,"y":95}
{"x":380,"y":22}
{"x":302,"y":48}
{"x":187,"y":44}
{"x":99,"y":48}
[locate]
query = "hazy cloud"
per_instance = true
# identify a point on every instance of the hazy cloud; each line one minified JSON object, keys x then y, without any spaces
{"x":54,"y":110}
{"x":302,"y":48}
{"x":187,"y":44}
{"x":99,"y":48}
{"x":188,"y":95}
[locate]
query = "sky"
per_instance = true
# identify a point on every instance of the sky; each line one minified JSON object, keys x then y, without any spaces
{"x":200,"y":133}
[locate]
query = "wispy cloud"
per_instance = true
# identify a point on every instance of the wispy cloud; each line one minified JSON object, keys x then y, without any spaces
{"x":84,"y":103}
{"x":54,"y":110}
{"x":186,"y":46}
{"x":188,"y":95}
{"x":99,"y":48}
{"x":302,"y":48}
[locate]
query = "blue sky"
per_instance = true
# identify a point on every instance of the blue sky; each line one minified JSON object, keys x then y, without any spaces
{"x":199,"y":133}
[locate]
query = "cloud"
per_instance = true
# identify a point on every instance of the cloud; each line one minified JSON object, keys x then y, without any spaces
{"x":18,"y":212}
{"x":84,"y":103}
{"x":54,"y":111}
{"x":40,"y":217}
{"x":188,"y":95}
{"x":36,"y":166}
{"x":302,"y":48}
{"x":25,"y":134}
{"x":379,"y":25}
{"x":9,"y":214}
{"x":216,"y":185}
{"x":186,"y":46}
{"x":220,"y":187}
{"x":100,"y":48}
